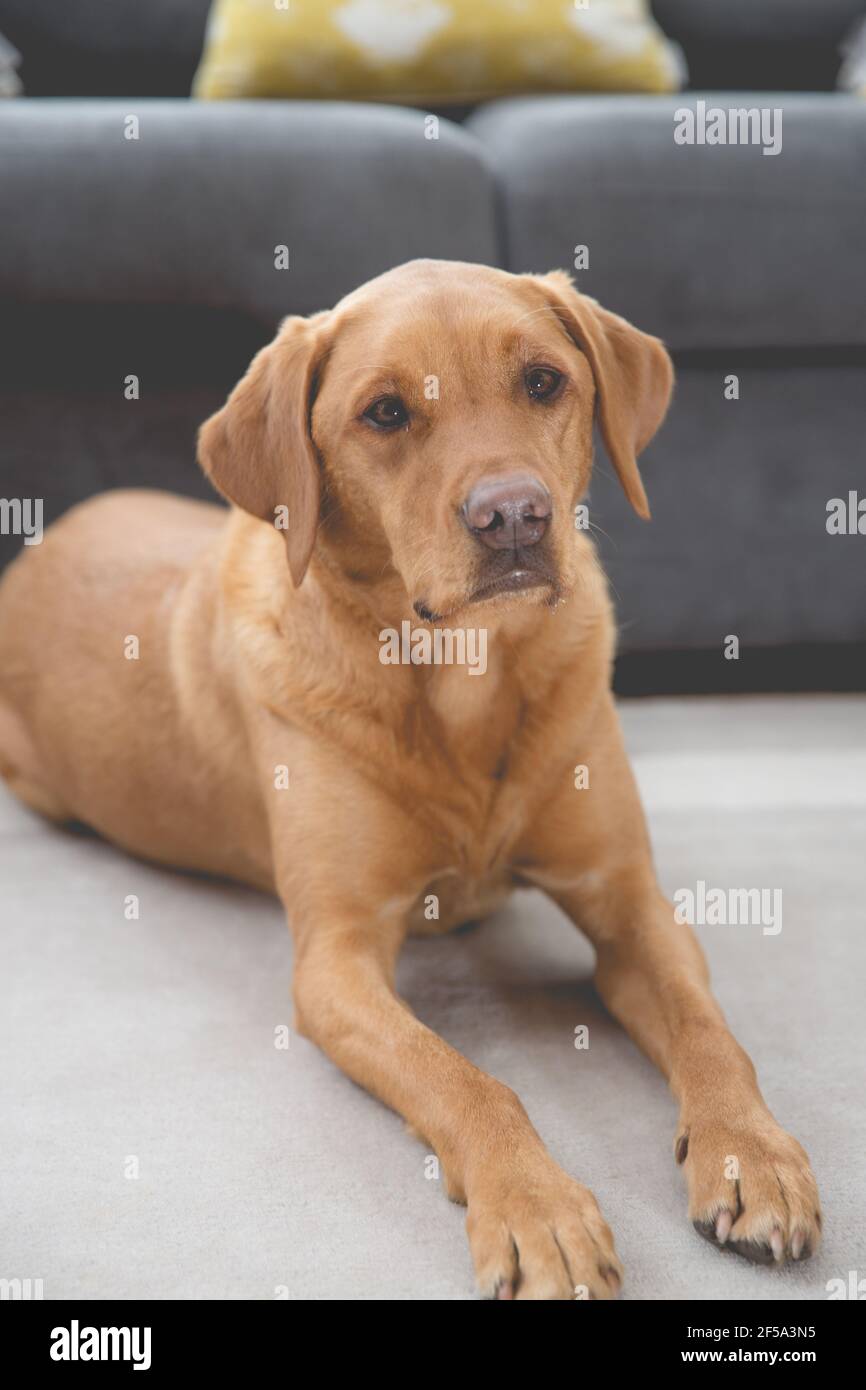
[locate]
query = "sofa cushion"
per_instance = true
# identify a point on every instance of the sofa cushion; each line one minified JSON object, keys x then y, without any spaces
{"x":191,"y":212}
{"x":707,"y":245}
{"x":789,"y":45}
{"x":741,"y":493}
{"x":106,"y":47}
{"x":852,"y":74}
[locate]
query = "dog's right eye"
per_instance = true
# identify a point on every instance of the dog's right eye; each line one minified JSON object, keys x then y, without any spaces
{"x":387,"y":413}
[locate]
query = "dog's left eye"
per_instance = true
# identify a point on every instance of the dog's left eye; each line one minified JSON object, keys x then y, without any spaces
{"x":542,"y":383}
{"x":387,"y":413}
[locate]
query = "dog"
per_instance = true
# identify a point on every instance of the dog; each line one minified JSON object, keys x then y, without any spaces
{"x":206,"y":688}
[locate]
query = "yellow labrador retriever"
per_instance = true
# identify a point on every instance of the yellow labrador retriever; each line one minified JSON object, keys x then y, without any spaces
{"x":284,"y":693}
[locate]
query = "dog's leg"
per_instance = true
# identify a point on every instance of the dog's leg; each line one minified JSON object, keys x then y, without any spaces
{"x":535,"y":1233}
{"x":750,"y":1185}
{"x":22,"y":770}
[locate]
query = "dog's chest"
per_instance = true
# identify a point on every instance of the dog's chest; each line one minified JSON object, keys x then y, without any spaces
{"x":475,"y":793}
{"x":453,"y":898}
{"x":478,"y":821}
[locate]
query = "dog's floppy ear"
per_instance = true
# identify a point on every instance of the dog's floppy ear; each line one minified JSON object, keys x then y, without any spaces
{"x":258,"y":451}
{"x":633,"y":378}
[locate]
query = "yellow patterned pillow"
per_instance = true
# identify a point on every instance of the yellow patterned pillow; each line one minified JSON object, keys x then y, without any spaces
{"x":432,"y":51}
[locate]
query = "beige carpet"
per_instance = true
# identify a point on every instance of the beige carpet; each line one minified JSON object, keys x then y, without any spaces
{"x":148,"y":1047}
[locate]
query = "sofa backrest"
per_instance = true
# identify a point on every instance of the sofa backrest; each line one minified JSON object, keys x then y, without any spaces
{"x":152,"y":47}
{"x":106,"y":47}
{"x":779,"y":45}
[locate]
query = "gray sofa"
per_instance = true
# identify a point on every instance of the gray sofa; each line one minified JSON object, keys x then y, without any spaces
{"x":155,"y":257}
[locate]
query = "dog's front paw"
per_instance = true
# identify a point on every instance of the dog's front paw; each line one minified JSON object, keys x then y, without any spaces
{"x":535,"y":1233}
{"x":751,"y":1189}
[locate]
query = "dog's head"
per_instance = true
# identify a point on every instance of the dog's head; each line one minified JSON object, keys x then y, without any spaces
{"x":438,"y":424}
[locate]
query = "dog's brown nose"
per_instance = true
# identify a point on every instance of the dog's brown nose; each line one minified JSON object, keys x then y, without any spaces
{"x":505,"y":512}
